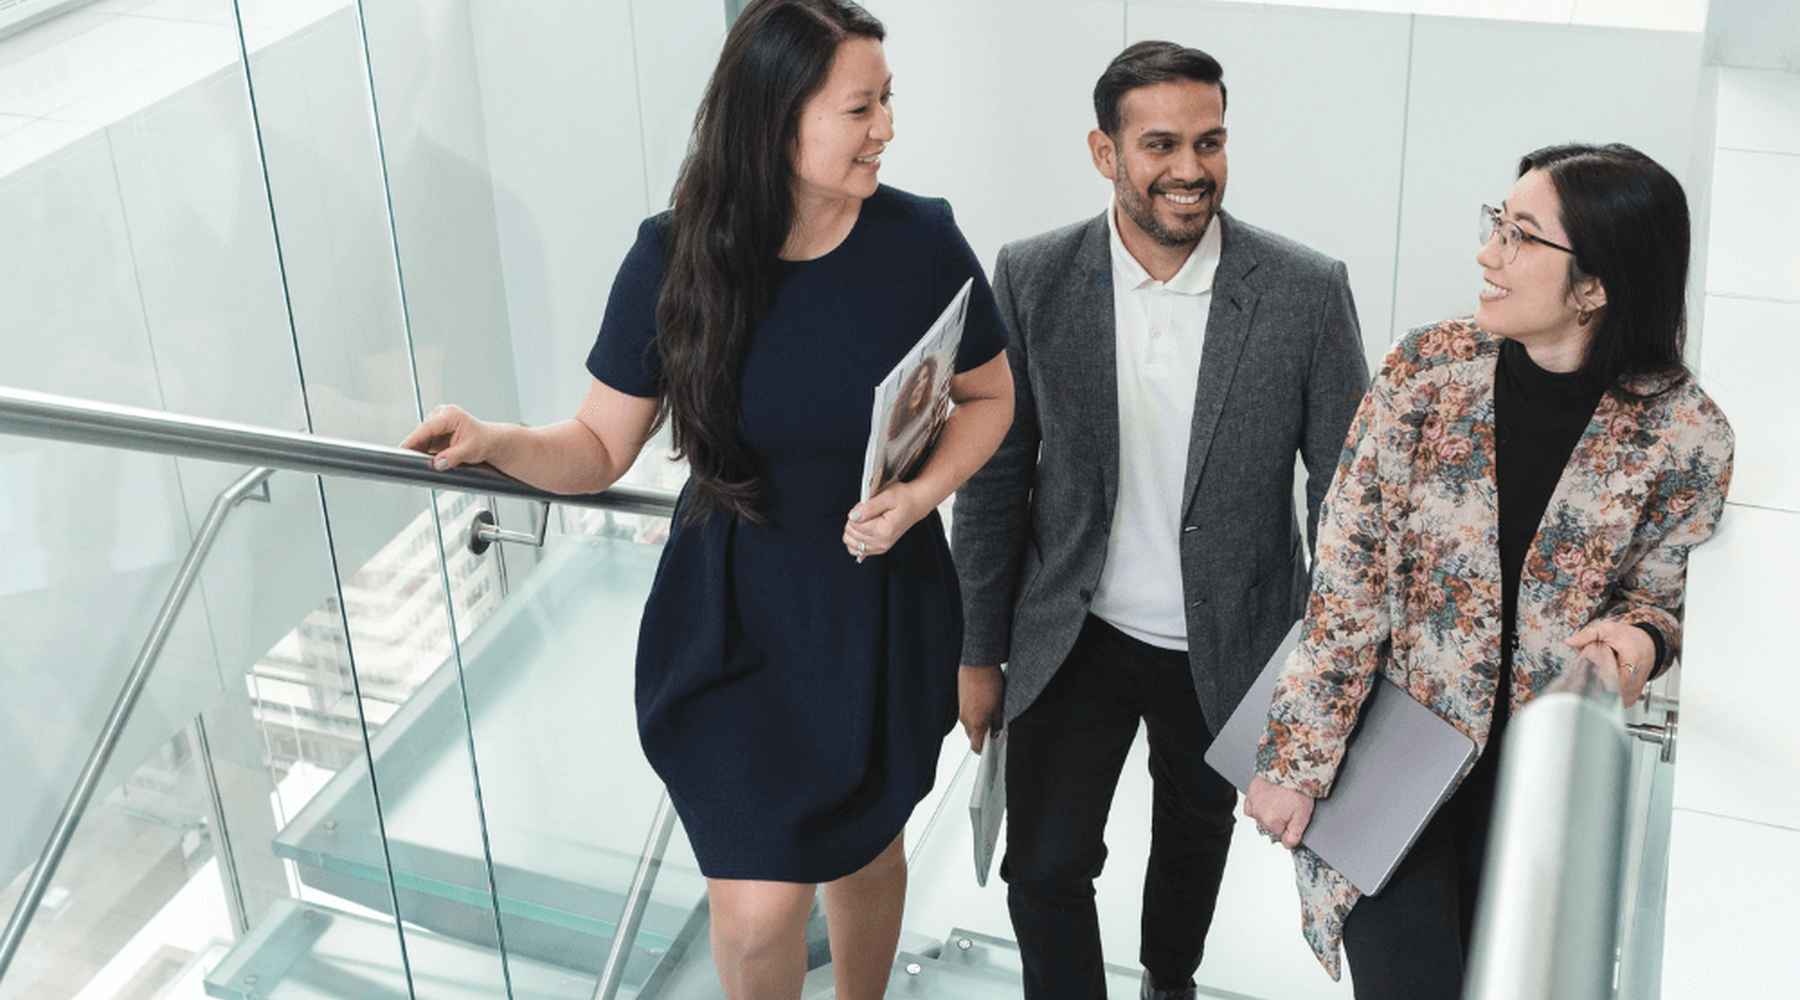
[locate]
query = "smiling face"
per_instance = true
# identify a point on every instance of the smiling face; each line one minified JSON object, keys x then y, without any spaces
{"x":1531,"y":298}
{"x":1167,"y":163}
{"x":845,"y":125}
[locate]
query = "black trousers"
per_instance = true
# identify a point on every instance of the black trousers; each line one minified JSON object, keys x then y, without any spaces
{"x":1063,"y":763}
{"x":1413,"y":940}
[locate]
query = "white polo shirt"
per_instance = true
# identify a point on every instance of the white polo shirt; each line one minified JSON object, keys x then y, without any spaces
{"x":1160,"y":328}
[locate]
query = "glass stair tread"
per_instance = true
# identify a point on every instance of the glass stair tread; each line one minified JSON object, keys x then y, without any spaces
{"x":304,"y":951}
{"x":999,"y":957}
{"x":540,"y":675}
{"x":917,"y":975}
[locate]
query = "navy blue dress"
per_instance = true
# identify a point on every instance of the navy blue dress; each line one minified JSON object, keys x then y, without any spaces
{"x":793,"y":701}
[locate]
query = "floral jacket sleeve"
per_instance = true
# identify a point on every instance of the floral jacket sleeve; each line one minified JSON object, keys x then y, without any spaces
{"x":1347,"y":627}
{"x":1682,"y":510}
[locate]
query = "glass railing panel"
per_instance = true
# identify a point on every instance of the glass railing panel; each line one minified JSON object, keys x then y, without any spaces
{"x":140,"y":896}
{"x":545,"y":668}
{"x":141,"y":268}
{"x":174,"y":862}
{"x":671,"y":954}
{"x":408,"y":804}
{"x":568,"y":795}
{"x":403,"y":596}
{"x":310,"y":952}
{"x":1645,"y":858}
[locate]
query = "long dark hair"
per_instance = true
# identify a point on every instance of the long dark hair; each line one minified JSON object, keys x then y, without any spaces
{"x":733,"y":207}
{"x":1627,"y":221}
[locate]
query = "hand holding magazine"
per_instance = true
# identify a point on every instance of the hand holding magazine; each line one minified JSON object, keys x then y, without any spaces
{"x":912,"y":403}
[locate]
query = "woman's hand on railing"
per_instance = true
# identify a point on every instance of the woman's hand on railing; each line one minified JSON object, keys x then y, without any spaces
{"x":453,"y":437}
{"x":1623,"y":656}
{"x":1281,"y":814}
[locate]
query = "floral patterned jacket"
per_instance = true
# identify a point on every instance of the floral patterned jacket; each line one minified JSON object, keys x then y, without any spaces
{"x":1407,"y":576}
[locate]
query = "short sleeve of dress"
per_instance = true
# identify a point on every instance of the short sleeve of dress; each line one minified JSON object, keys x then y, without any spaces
{"x":624,"y":354}
{"x":984,"y":334}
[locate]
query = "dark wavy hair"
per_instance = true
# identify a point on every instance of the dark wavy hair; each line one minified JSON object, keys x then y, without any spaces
{"x":1148,"y":63}
{"x":732,"y":208}
{"x":1627,"y":221}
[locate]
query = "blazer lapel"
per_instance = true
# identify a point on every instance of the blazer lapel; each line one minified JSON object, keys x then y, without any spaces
{"x":1584,"y":537}
{"x":1228,"y":321}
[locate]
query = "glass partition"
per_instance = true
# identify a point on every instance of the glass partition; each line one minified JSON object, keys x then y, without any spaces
{"x":178,"y":860}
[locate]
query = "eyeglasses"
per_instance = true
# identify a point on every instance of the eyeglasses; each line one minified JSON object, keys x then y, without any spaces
{"x":1511,"y":236}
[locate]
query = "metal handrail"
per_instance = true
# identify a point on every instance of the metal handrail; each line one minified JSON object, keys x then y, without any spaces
{"x":80,"y":421}
{"x":108,"y":740}
{"x":63,"y":418}
{"x":1547,"y":921}
{"x":637,"y":900}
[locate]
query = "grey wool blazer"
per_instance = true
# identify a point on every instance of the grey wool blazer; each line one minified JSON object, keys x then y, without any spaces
{"x":1281,"y":373}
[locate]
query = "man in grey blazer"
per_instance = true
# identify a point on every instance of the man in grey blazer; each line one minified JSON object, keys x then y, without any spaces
{"x":1132,"y":552}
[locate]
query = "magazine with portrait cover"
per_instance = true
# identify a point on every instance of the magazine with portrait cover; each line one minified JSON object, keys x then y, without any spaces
{"x":912,"y":403}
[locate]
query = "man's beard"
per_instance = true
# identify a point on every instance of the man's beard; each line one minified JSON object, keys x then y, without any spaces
{"x":1141,"y":210}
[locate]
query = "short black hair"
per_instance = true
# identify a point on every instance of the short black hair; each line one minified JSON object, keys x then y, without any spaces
{"x":1144,"y":64}
{"x":1627,"y":221}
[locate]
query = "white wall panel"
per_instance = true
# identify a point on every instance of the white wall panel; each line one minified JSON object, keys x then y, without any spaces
{"x":677,"y":45}
{"x":1739,"y":744}
{"x":1728,"y":933}
{"x":1363,"y":6}
{"x":1699,"y":185}
{"x":559,"y":98}
{"x":435,"y":147}
{"x":1555,"y":11}
{"x":1319,"y":164}
{"x":1754,"y":218}
{"x":36,"y":139}
{"x":1759,"y":110}
{"x":193,"y":197}
{"x":1764,"y":34}
{"x":1663,"y":15}
{"x":1484,"y":93}
{"x":993,"y":103}
{"x":1751,"y":349}
{"x":93,"y":536}
{"x":318,"y":132}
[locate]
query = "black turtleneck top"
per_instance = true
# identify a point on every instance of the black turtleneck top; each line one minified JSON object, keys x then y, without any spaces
{"x":1539,"y":417}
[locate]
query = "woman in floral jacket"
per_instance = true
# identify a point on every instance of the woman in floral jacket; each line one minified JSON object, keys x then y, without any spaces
{"x":1517,"y":490}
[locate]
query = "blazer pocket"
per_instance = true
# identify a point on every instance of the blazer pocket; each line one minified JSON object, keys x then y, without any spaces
{"x":1271,"y":597}
{"x":1265,"y":574}
{"x":1031,"y":572}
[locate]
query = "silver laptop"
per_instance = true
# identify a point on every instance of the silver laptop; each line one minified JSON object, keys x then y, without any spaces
{"x":1402,"y":763}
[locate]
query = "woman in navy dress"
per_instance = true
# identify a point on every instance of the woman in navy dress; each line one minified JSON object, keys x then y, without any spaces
{"x":797,"y":660}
